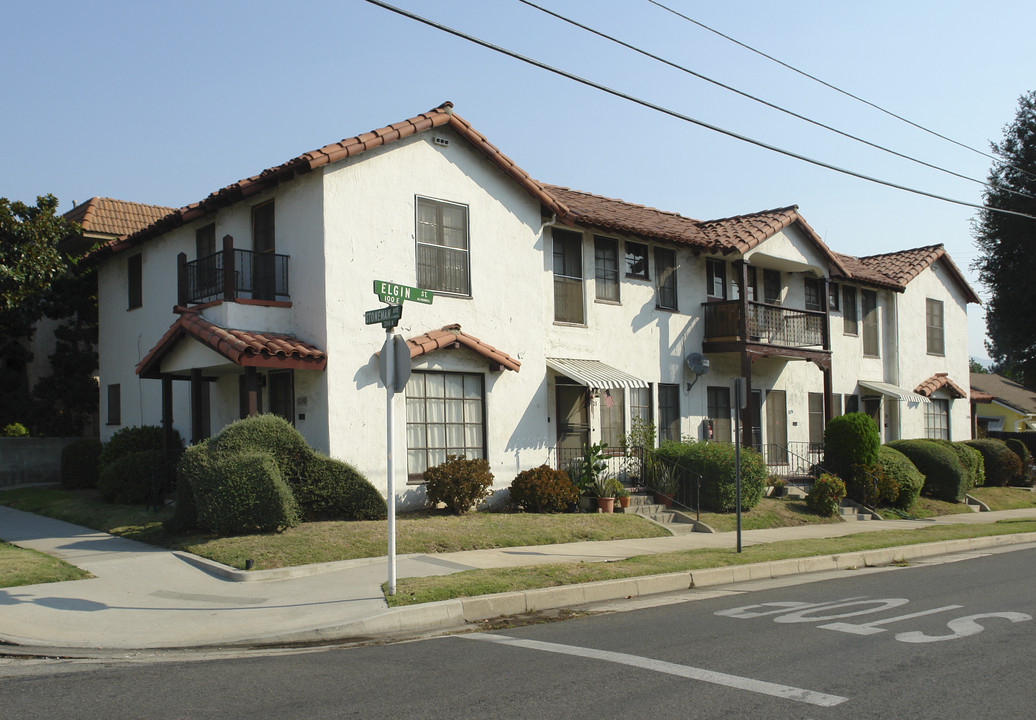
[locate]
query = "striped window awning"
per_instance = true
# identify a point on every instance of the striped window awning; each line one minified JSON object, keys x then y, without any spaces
{"x":595,"y":374}
{"x":893,"y":391}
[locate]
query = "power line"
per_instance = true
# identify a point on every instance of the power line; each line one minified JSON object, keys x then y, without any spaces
{"x":686,"y":118}
{"x":768,"y":104}
{"x":838,"y":89}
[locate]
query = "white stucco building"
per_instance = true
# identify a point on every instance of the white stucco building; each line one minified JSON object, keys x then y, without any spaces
{"x":557,"y":317}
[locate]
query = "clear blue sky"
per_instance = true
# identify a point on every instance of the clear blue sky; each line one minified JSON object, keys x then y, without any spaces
{"x":165,"y":102}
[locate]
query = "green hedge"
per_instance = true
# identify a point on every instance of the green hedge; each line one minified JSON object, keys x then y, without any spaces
{"x":1002,"y":465}
{"x":945,"y":477}
{"x":1025,"y":457}
{"x":127,"y":481}
{"x":897,"y":466}
{"x":970,"y":459}
{"x":333,"y":490}
{"x":826,"y":495}
{"x":270,"y":434}
{"x":247,"y":493}
{"x":79,"y":464}
{"x":195,"y":462}
{"x":714,"y":462}
{"x":850,"y":440}
{"x":136,"y":439}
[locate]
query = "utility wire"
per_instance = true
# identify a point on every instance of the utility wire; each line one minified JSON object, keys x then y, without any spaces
{"x":839,"y":90}
{"x":686,"y":118}
{"x":771,"y":105}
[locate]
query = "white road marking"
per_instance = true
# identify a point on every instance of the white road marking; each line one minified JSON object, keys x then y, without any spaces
{"x":786,"y":692}
{"x":872,"y":628}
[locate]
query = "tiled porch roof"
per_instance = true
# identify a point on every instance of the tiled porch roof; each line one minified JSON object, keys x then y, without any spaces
{"x":451,"y":336}
{"x":241,"y":347}
{"x":937,"y":382}
{"x":977,"y":396}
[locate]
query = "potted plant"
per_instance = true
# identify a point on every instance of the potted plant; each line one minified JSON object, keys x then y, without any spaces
{"x":778,"y":485}
{"x":623,"y":496}
{"x":605,"y":491}
{"x":585,"y":472}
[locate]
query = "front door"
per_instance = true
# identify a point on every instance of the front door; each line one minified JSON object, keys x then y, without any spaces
{"x":573,"y":420}
{"x":776,"y":427}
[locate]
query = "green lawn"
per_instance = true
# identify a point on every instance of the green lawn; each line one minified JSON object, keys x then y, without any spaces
{"x":1005,"y":498}
{"x":769,"y":513}
{"x":20,"y":566}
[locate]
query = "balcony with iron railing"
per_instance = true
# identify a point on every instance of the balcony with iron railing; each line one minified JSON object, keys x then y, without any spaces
{"x":251,"y":275}
{"x":756,"y":322}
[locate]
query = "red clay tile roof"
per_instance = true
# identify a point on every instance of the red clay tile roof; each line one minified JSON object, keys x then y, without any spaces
{"x":620,"y":216}
{"x":242,"y":347}
{"x":105,"y":216}
{"x":977,"y":396}
{"x":938,"y":381}
{"x":894,"y":270}
{"x":451,"y":336}
{"x":350,"y":147}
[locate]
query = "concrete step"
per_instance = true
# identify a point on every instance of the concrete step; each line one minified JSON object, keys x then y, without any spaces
{"x":851,"y":511}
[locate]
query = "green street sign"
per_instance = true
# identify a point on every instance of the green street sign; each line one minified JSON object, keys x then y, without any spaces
{"x":394,"y":293}
{"x":390,"y":314}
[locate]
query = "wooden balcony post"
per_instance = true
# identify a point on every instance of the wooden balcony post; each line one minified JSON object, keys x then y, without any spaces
{"x":742,"y":292}
{"x":228,"y":268}
{"x":167,"y":428}
{"x":181,"y":279}
{"x":825,"y":288}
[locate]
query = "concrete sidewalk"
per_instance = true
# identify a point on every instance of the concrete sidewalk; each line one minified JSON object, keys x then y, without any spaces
{"x":145,"y":597}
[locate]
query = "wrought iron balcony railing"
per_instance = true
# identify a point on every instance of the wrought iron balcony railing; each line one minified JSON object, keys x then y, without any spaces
{"x":256,"y":276}
{"x":771,"y":324}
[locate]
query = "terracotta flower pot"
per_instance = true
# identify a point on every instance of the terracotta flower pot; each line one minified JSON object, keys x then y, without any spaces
{"x":624,"y":501}
{"x":606,"y":505}
{"x":666,"y":500}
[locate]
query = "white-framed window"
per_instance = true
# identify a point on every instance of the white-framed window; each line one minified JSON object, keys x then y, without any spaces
{"x":613,"y":417}
{"x":850,"y":323}
{"x":445,"y":415}
{"x":568,"y":276}
{"x":715,"y":279}
{"x":668,"y":412}
{"x":665,"y":278}
{"x":636,"y":260}
{"x":934,"y":327}
{"x":443,"y":262}
{"x":869,"y":307}
{"x":937,"y":419}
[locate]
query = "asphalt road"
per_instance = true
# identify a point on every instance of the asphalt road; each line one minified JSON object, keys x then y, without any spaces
{"x":945,"y":640}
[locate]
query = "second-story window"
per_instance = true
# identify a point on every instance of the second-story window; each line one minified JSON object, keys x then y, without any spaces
{"x":869,"y":306}
{"x":772,"y":287}
{"x":205,"y":241}
{"x":665,"y":278}
{"x":606,"y":264}
{"x":134,"y":282}
{"x":812,"y":288}
{"x":850,"y":325}
{"x":715,"y":279}
{"x":934,"y":327}
{"x":442,"y":247}
{"x":636,"y":260}
{"x":832,"y":296}
{"x":568,"y":276}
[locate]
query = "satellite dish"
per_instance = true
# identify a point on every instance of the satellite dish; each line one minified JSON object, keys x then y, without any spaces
{"x":697,"y":363}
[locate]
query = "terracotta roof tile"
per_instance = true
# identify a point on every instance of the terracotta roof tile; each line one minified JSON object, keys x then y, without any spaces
{"x":978,"y":396}
{"x":894,"y":270}
{"x":242,"y":347}
{"x":937,"y":382}
{"x":451,"y":335}
{"x":106,"y":216}
{"x":349,"y":147}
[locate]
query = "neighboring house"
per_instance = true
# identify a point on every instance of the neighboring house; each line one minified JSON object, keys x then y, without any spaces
{"x":1000,"y":404}
{"x":558,"y":316}
{"x":102,"y":220}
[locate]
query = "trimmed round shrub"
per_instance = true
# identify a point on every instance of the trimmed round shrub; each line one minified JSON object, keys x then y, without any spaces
{"x":945,"y":477}
{"x":127,"y":481}
{"x":243,"y":493}
{"x":135,"y":439}
{"x":333,"y":490}
{"x":79,"y":464}
{"x":14,"y":430}
{"x":849,"y":441}
{"x":543,"y":490}
{"x":827,"y":492}
{"x":1018,"y":448}
{"x":873,"y":486}
{"x":195,"y":461}
{"x":904,"y":473}
{"x":1002,"y":465}
{"x":970,"y":459}
{"x":271,"y":434}
{"x":458,"y":483}
{"x":715,"y":464}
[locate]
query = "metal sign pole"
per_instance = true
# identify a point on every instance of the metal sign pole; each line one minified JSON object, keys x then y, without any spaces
{"x":390,"y":374}
{"x":737,"y":454}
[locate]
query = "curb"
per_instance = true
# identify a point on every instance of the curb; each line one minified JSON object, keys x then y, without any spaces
{"x":485,"y":607}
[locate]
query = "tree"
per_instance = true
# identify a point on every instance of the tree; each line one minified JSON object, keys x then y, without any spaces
{"x":30,"y":261}
{"x":1007,"y":243}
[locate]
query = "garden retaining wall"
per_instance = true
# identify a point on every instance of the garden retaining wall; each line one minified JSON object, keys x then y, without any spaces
{"x":31,"y":461}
